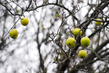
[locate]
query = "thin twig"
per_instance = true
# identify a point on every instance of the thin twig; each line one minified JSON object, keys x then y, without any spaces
{"x":11,"y":27}
{"x":55,"y":5}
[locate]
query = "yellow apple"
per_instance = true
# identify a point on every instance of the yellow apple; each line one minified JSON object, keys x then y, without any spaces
{"x":77,"y":31}
{"x":85,"y":41}
{"x":24,"y":21}
{"x":97,"y":22}
{"x":70,"y":42}
{"x":82,"y":54}
{"x":13,"y":33}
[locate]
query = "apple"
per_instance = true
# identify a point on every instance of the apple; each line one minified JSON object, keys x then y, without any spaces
{"x":24,"y":21}
{"x":77,"y":31}
{"x":85,"y":41}
{"x":70,"y":42}
{"x":13,"y":33}
{"x":97,"y":22}
{"x":82,"y":54}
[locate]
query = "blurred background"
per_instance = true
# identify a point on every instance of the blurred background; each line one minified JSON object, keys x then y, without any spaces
{"x":41,"y":45}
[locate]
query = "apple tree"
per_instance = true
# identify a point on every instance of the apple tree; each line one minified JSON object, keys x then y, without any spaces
{"x":42,"y":47}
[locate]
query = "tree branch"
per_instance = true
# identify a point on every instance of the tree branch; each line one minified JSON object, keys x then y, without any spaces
{"x":70,"y":13}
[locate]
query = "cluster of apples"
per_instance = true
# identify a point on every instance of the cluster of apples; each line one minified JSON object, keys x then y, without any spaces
{"x":13,"y":32}
{"x":85,"y":41}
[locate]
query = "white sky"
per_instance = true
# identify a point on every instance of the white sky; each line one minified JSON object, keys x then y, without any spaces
{"x":26,"y":54}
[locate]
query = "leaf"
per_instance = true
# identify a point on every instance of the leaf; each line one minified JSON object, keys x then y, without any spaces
{"x":43,"y":27}
{"x":38,"y":23}
{"x":25,"y":0}
{"x":17,"y":11}
{"x":54,"y":59}
{"x":60,"y":34}
{"x":56,"y":16}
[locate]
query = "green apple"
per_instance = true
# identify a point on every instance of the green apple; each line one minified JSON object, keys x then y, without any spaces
{"x":77,"y":31}
{"x":85,"y":41}
{"x":70,"y":42}
{"x":97,"y":22}
{"x":24,"y":21}
{"x":13,"y":33}
{"x":82,"y":54}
